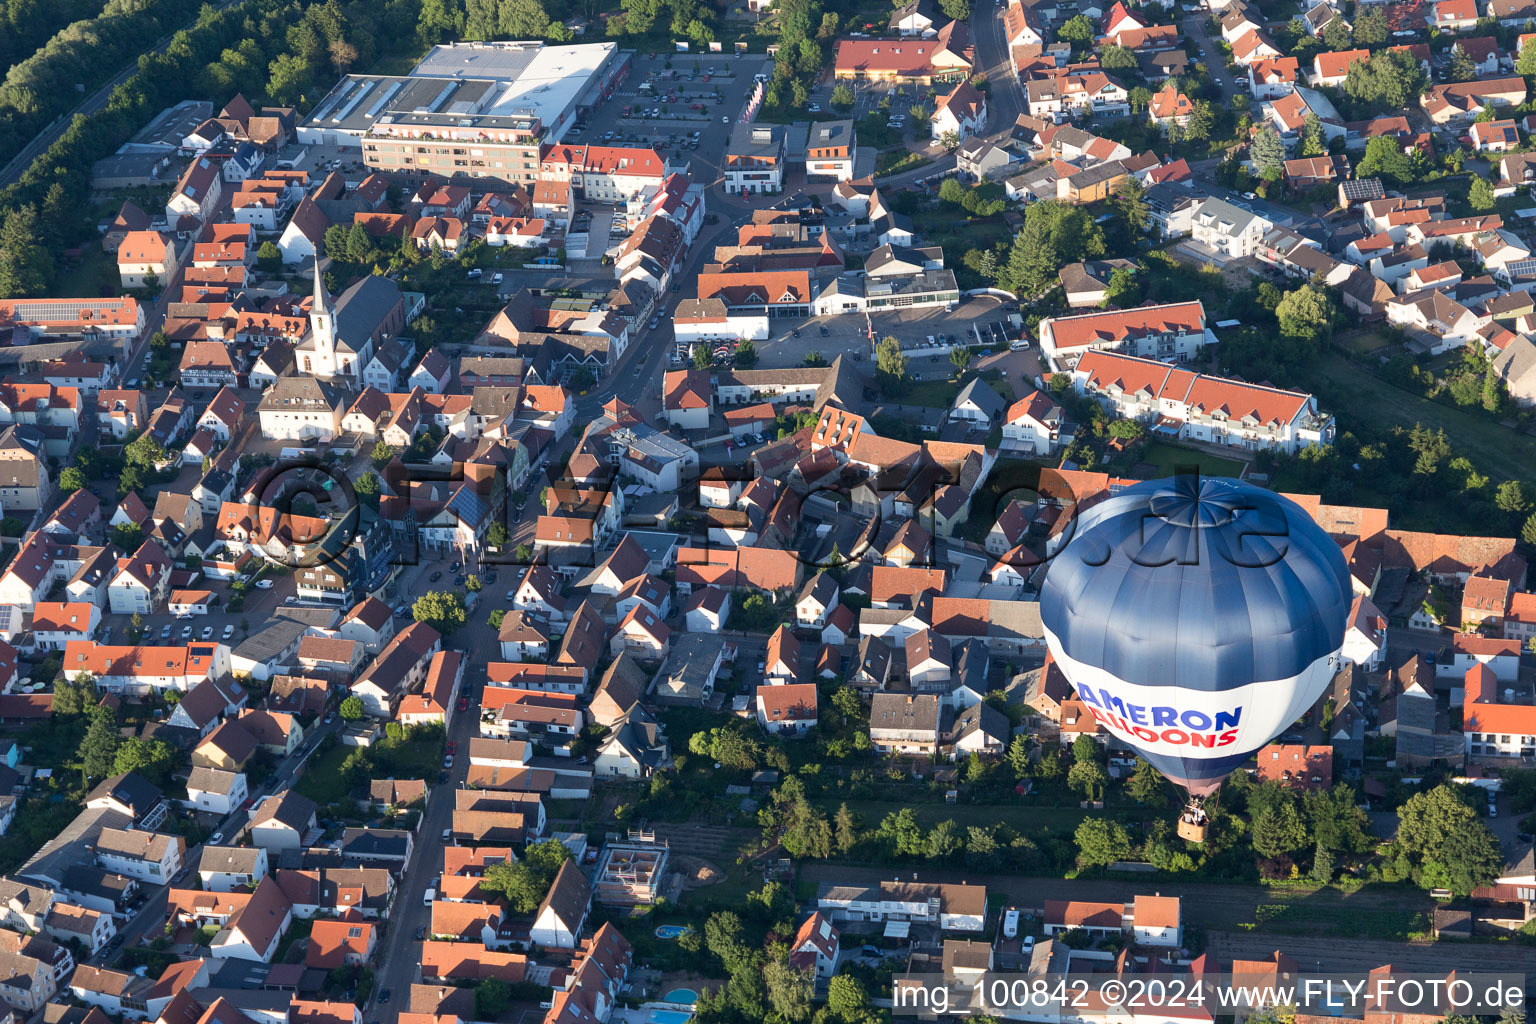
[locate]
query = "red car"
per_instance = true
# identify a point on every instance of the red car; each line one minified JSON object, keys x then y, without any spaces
{"x":453,"y":748}
{"x":463,"y":703}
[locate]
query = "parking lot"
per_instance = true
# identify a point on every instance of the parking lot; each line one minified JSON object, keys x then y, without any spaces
{"x":848,"y":334}
{"x":723,"y":95}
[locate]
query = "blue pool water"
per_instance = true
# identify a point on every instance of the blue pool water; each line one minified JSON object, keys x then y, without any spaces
{"x":670,"y":1017}
{"x":672,"y":931}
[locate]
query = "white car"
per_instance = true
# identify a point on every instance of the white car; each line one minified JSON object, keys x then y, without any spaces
{"x":216,"y":839}
{"x":207,"y":632}
{"x":725,"y":120}
{"x":229,"y":630}
{"x":264,"y":584}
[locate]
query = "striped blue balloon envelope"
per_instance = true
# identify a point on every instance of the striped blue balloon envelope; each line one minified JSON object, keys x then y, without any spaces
{"x":1196,"y":618}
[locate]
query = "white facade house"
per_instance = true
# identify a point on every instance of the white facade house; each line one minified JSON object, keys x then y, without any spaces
{"x":1227,"y":229}
{"x":1365,"y":641}
{"x":152,"y":857}
{"x":216,"y":791}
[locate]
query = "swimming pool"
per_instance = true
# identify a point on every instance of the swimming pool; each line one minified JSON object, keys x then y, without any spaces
{"x":681,"y":995}
{"x":672,"y":931}
{"x":670,"y":1017}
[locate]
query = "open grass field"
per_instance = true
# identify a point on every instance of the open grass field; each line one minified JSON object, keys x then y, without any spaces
{"x":1495,"y":449}
{"x":1167,"y":458}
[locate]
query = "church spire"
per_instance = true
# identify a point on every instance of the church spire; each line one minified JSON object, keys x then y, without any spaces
{"x":322,"y":301}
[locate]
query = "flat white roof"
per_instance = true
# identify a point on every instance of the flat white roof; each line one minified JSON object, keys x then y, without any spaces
{"x":543,"y":79}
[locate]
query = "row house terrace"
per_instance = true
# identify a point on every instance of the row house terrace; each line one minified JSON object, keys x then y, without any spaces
{"x":1198,"y":407}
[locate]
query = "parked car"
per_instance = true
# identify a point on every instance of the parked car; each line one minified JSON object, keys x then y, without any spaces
{"x":229,"y":630}
{"x":497,"y":278}
{"x":186,"y":632}
{"x":475,"y":273}
{"x":165,"y":631}
{"x":207,"y":632}
{"x":216,"y":839}
{"x":265,"y":584}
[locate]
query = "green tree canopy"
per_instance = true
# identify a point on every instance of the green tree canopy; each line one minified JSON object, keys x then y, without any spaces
{"x":1101,"y":841}
{"x":443,"y":610}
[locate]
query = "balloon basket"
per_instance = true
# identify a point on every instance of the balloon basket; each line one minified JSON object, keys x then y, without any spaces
{"x":1193,"y":823}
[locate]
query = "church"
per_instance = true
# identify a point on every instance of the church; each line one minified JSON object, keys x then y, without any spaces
{"x":343,"y":337}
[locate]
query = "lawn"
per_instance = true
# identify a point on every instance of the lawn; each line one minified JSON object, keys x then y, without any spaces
{"x":1169,"y":458}
{"x":896,"y":162}
{"x":1497,"y":450}
{"x":935,"y":394}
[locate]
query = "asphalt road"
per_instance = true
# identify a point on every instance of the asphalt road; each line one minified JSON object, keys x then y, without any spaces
{"x":400,"y":955}
{"x":1215,"y":61}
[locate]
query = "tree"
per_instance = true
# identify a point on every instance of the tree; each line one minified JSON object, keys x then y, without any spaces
{"x":847,"y":998}
{"x":1018,"y":756}
{"x":152,"y":759}
{"x":1267,"y":152}
{"x":956,"y":10}
{"x":1312,"y":141}
{"x":522,"y":554}
{"x":1511,"y":498}
{"x":701,"y":357}
{"x":1088,"y":778}
{"x":1389,"y":81}
{"x":745,"y":354}
{"x":381,"y":454}
{"x":951,"y":191}
{"x":960,"y":358}
{"x":367,"y":489}
{"x":353,"y":709}
{"x":1480,"y":194}
{"x":1122,"y":291}
{"x":1077,"y":30}
{"x":1131,"y":202}
{"x":950,"y":140}
{"x":1305,"y":314}
{"x":443,"y":610}
{"x":1526,"y":64}
{"x":1461,"y":68}
{"x":722,"y":937}
{"x":492,"y":997}
{"x":497,"y":536}
{"x":72,"y":480}
{"x":1101,"y":841}
{"x":269,"y":258}
{"x":789,"y":990}
{"x":1202,"y":121}
{"x":145,"y":452}
{"x":1118,"y":58}
{"x":472,"y":583}
{"x":98,"y":749}
{"x":1146,"y":784}
{"x":842,"y":96}
{"x":1371,"y":28}
{"x":26,"y":267}
{"x":1277,"y":831}
{"x":891,"y":365}
{"x":845,"y":831}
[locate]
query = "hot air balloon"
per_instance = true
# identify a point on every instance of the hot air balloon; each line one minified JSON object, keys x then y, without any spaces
{"x":1196,"y":618}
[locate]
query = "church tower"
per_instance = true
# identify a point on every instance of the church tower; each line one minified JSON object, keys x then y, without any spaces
{"x":322,"y":323}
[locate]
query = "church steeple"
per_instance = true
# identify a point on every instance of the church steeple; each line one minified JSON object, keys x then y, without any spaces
{"x":322,"y":322}
{"x":322,"y":301}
